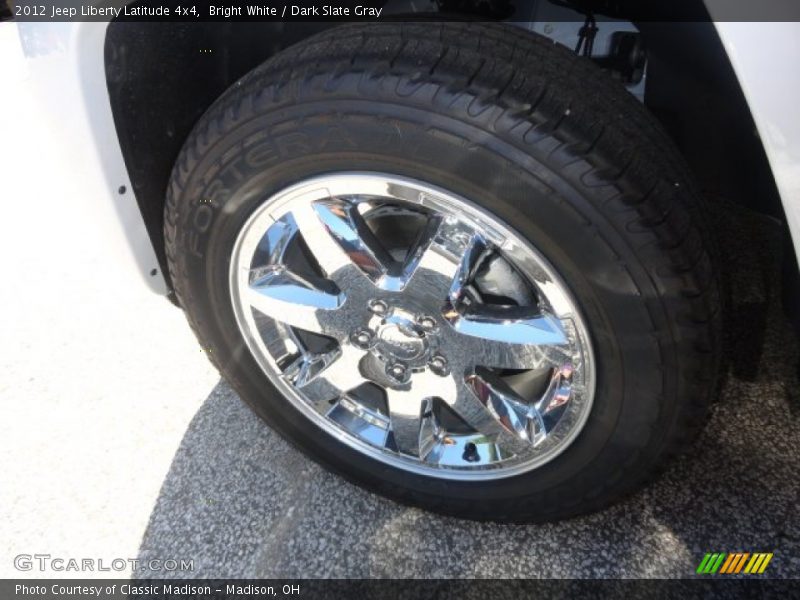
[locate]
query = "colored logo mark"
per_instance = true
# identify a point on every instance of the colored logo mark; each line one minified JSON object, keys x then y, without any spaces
{"x":737,"y":562}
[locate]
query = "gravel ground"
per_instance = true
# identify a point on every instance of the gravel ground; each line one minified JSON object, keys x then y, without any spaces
{"x":119,"y":440}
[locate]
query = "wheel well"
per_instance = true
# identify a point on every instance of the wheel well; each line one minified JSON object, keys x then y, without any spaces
{"x":163,"y":76}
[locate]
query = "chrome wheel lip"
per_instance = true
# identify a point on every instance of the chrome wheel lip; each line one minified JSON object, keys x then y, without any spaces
{"x":527,"y":258}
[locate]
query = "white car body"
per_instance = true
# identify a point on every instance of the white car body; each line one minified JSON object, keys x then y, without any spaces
{"x":772,"y":95}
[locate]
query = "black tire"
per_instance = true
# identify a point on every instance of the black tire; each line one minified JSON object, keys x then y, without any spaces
{"x":530,"y":132}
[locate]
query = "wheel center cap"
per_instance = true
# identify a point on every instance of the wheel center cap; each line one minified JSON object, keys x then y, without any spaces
{"x":400,"y":337}
{"x":400,"y":342}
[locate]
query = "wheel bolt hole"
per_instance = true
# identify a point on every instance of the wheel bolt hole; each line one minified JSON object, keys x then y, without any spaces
{"x":427,"y":323}
{"x":398,"y":372}
{"x":362,"y":338}
{"x":438,"y":364}
{"x":378,"y":307}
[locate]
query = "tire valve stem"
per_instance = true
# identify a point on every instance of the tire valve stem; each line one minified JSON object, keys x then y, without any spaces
{"x":471,"y":453}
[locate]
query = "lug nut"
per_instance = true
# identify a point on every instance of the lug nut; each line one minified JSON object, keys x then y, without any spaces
{"x":362,"y":338}
{"x":427,"y":323}
{"x":438,"y":364}
{"x":398,"y":372}
{"x":378,"y":307}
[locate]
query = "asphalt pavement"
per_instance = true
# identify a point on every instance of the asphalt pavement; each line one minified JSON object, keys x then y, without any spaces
{"x":119,"y":440}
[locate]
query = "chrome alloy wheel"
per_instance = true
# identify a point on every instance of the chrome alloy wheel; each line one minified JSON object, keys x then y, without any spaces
{"x":413,"y":326}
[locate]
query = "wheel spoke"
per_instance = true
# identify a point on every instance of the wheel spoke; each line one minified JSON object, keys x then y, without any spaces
{"x":559,"y":391}
{"x":470,"y":407}
{"x":306,"y":366}
{"x":529,"y":422}
{"x":340,"y":240}
{"x":459,"y":395}
{"x":431,"y":433}
{"x":290,"y":299}
{"x":370,"y":425}
{"x":512,"y":342}
{"x":405,"y":409}
{"x":441,"y":262}
{"x":501,"y":402}
{"x":328,"y":376}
